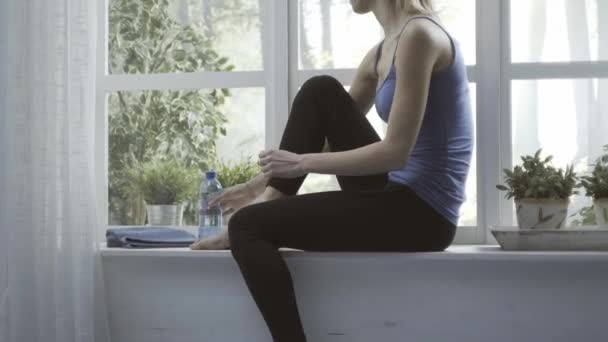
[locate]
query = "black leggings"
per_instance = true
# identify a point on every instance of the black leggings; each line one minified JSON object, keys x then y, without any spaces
{"x":369,"y":214}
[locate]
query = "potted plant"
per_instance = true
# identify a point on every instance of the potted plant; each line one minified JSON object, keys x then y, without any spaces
{"x":164,"y":186}
{"x":231,"y":174}
{"x":596,"y":186}
{"x":541,"y":192}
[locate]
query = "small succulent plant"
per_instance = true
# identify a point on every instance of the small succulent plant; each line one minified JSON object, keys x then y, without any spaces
{"x":536,"y":178}
{"x":596,"y":184}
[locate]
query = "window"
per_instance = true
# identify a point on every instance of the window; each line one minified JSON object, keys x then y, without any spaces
{"x":184,"y":80}
{"x":558,"y":31}
{"x":564,"y":117}
{"x":228,"y":71}
{"x":327,"y":27}
{"x":559,"y":84}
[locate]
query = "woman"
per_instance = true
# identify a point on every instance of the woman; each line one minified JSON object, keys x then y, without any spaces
{"x":402,"y":193}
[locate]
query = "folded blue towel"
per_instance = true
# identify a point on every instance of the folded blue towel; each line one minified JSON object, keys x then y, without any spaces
{"x":148,"y":237}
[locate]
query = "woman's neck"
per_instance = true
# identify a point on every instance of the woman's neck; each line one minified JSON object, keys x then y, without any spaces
{"x":391,"y":17}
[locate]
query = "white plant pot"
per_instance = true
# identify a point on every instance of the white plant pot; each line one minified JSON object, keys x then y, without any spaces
{"x":600,"y":208}
{"x":541,"y":213}
{"x":165,"y":215}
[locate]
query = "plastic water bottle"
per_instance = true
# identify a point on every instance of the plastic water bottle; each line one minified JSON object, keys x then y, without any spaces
{"x":210,"y":218}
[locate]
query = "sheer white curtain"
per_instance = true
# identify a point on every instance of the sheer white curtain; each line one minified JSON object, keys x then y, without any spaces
{"x":48,"y":259}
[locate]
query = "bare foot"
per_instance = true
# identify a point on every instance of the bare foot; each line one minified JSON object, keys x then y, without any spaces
{"x":215,"y":242}
{"x":221,"y":240}
{"x":269,"y":194}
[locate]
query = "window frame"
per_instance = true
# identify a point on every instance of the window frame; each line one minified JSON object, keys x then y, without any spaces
{"x":281,"y":77}
{"x":272,"y":78}
{"x":498,"y":13}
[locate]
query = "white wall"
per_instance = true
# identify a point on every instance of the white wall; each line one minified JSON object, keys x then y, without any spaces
{"x":3,"y":158}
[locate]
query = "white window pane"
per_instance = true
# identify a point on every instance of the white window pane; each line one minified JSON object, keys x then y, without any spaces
{"x":567,"y":118}
{"x":328,"y":29}
{"x":198,"y":127}
{"x":559,"y":30}
{"x":184,"y":36}
{"x":459,"y":18}
{"x":468,"y":210}
{"x":319,"y":183}
{"x":246,"y":127}
{"x":379,"y":125}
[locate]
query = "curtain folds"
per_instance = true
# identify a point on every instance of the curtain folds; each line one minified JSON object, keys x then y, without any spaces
{"x":48,"y":212}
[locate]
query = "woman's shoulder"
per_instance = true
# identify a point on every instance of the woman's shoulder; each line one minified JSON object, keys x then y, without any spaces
{"x":427,"y":37}
{"x":424,"y":29}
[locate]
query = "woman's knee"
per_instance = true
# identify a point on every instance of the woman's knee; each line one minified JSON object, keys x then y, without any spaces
{"x":248,"y":224}
{"x":324,"y":84}
{"x":239,"y":222}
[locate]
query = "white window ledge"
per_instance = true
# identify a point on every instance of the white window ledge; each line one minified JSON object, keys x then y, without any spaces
{"x":457,"y":252}
{"x":468,"y":293}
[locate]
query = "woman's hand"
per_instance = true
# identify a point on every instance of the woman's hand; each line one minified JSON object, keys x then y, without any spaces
{"x":281,"y":164}
{"x":234,"y":198}
{"x":217,"y":241}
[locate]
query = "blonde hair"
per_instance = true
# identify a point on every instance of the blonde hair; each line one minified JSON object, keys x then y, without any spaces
{"x":421,"y":6}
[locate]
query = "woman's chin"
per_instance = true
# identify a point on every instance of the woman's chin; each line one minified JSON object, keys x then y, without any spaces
{"x":358,"y":6}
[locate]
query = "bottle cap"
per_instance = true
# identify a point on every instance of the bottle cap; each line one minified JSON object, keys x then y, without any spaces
{"x":210,"y":174}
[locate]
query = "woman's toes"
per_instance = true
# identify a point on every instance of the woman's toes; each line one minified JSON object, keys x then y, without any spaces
{"x":200,"y":244}
{"x":212,"y":243}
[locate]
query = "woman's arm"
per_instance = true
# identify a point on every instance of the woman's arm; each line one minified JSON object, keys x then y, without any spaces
{"x":363,"y":87}
{"x":420,"y":48}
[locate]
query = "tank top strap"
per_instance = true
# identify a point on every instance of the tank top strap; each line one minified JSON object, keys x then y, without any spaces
{"x":378,"y":55}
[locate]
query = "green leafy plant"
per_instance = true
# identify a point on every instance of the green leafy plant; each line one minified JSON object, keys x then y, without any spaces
{"x":163,"y":182}
{"x":596,"y":184}
{"x":184,"y":125}
{"x":537,"y":178}
{"x":230,"y":174}
{"x":584,"y":217}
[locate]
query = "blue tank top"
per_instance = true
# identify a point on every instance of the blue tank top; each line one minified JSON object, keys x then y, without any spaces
{"x":439,"y":163}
